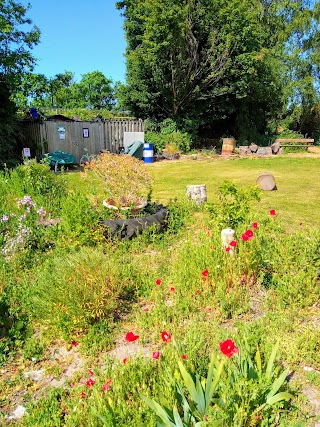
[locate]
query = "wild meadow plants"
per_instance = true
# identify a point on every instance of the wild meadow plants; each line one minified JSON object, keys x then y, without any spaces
{"x":172,"y":328}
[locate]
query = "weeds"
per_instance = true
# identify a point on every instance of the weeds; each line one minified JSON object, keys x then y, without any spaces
{"x":66,"y":280}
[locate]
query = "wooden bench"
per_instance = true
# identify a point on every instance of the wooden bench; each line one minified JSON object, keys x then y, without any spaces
{"x":290,"y":142}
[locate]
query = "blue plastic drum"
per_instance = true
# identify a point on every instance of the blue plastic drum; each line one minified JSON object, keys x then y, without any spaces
{"x":148,"y":153}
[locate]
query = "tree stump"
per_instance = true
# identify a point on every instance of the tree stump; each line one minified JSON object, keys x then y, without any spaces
{"x":197,"y":193}
{"x":266,"y":182}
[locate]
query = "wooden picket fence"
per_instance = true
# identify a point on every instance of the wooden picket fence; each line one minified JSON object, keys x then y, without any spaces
{"x":77,"y":138}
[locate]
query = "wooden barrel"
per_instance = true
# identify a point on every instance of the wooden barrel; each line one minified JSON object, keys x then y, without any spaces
{"x":228,"y":145}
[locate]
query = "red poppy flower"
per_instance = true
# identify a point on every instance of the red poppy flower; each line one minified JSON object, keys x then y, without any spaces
{"x":90,"y":382}
{"x":250,"y":234}
{"x":228,"y":348}
{"x":166,"y":337}
{"x":158,"y":282}
{"x":184,"y":357}
{"x":73,"y":384}
{"x":145,"y":309}
{"x":233,"y":243}
{"x":209,"y":309}
{"x":156,"y":354}
{"x":198,"y":291}
{"x":125,"y":360}
{"x":130,"y":337}
{"x":211,"y":248}
{"x":106,"y":386}
{"x":228,"y":249}
{"x":83,"y":395}
{"x":254,"y":225}
{"x":90,"y":371}
{"x":272,"y":212}
{"x":205,"y":273}
{"x":203,"y":279}
{"x":208,"y":233}
{"x":75,"y":343}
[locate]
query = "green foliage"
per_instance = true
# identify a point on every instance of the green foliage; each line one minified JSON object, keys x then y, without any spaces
{"x":257,"y":391}
{"x":86,"y":289}
{"x":33,"y":349}
{"x":34,"y":179}
{"x":243,"y":392}
{"x":14,"y":321}
{"x":15,"y":41}
{"x":9,"y":129}
{"x":49,"y":411}
{"x":235,"y":205}
{"x":93,"y":92}
{"x":169,"y":135}
{"x":72,"y":292}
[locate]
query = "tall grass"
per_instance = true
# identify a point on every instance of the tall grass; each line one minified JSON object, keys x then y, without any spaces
{"x":91,"y":291}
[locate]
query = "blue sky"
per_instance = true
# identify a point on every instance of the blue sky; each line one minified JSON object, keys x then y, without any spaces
{"x":78,"y":36}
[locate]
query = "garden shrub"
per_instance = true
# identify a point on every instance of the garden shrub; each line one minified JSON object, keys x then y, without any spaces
{"x":234,"y":206}
{"x":14,"y":320}
{"x":169,"y":135}
{"x":36,"y":180}
{"x":74,"y":291}
{"x":124,"y":180}
{"x":78,"y":222}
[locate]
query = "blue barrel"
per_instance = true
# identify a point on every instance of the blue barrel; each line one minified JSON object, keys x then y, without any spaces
{"x":148,"y":153}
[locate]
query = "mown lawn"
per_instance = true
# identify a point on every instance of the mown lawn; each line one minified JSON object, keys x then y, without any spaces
{"x":297,"y":179}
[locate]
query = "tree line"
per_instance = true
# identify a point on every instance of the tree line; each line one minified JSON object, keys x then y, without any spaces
{"x":239,"y":66}
{"x":231,"y":67}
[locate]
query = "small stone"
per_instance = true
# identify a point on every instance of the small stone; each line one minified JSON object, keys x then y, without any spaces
{"x":34,"y":375}
{"x":17,"y":413}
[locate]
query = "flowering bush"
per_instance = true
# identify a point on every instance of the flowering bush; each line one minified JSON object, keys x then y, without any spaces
{"x":125,"y":180}
{"x":22,"y":229}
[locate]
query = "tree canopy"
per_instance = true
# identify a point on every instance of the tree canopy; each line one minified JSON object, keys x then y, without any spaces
{"x":94,"y":91}
{"x":16,"y":40}
{"x":210,"y":60}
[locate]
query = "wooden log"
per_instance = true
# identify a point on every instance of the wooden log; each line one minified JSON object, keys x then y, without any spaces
{"x":197,"y":193}
{"x":266,"y":182}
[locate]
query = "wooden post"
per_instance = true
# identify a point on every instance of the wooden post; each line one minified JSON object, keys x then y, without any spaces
{"x":197,"y":193}
{"x":227,"y":235}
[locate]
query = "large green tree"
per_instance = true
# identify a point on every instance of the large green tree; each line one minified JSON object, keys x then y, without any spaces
{"x":16,"y":42}
{"x":210,"y":59}
{"x":94,"y":91}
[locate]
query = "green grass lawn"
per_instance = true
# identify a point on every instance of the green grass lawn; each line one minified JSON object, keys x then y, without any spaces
{"x":298,"y":182}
